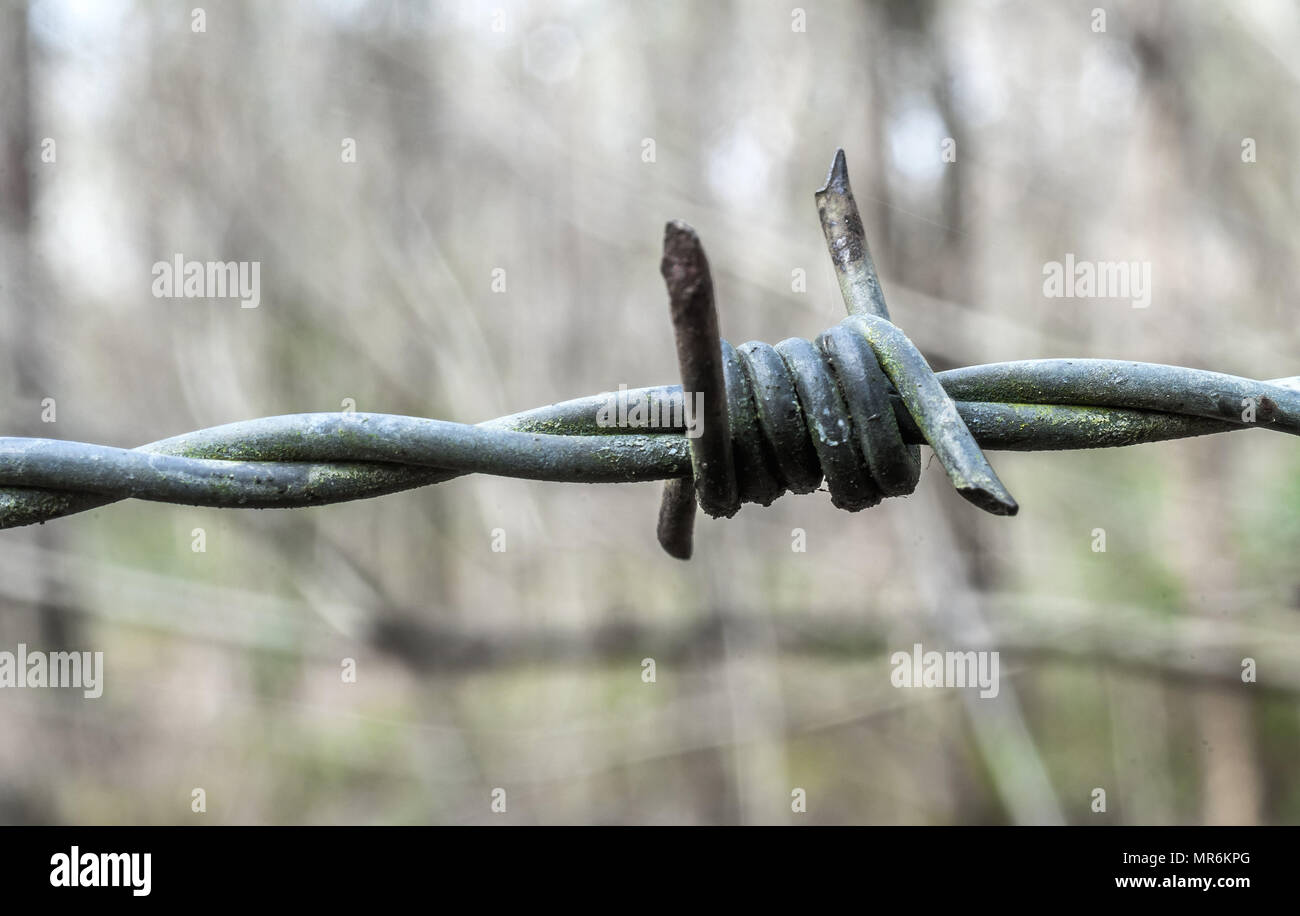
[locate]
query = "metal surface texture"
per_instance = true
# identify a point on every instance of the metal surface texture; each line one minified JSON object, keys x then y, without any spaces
{"x":748,"y":424}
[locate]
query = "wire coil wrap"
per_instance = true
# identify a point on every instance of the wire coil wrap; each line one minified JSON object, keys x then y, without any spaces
{"x":801,"y":412}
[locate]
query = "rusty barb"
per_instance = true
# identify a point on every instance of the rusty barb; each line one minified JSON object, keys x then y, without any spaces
{"x":847,"y":410}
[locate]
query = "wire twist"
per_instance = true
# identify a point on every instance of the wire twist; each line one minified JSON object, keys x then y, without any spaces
{"x":849,"y":409}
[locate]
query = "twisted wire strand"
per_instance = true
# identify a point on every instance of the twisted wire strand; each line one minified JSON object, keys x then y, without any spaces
{"x":848,"y":408}
{"x":322,"y":458}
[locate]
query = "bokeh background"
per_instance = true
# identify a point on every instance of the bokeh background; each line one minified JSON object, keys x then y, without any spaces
{"x":506,"y":135}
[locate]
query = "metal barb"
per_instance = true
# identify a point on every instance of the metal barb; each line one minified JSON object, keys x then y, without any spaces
{"x":699,"y":356}
{"x":930,"y":406}
{"x":847,"y":241}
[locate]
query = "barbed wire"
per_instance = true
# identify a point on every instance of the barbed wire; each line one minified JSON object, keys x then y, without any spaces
{"x":746,"y":425}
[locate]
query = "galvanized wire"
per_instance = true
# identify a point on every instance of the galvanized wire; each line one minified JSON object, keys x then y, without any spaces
{"x":848,"y":409}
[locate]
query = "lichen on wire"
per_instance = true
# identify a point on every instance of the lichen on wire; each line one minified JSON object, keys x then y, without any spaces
{"x":846,"y":411}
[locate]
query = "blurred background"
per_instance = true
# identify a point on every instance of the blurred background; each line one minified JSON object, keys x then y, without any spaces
{"x":544,"y":146}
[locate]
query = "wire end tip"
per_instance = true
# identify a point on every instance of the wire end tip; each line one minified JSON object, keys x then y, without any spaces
{"x":994,"y":500}
{"x":676,"y":532}
{"x":678,"y":232}
{"x":677,"y":551}
{"x":681,"y":243}
{"x":837,"y":179}
{"x":684,"y":267}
